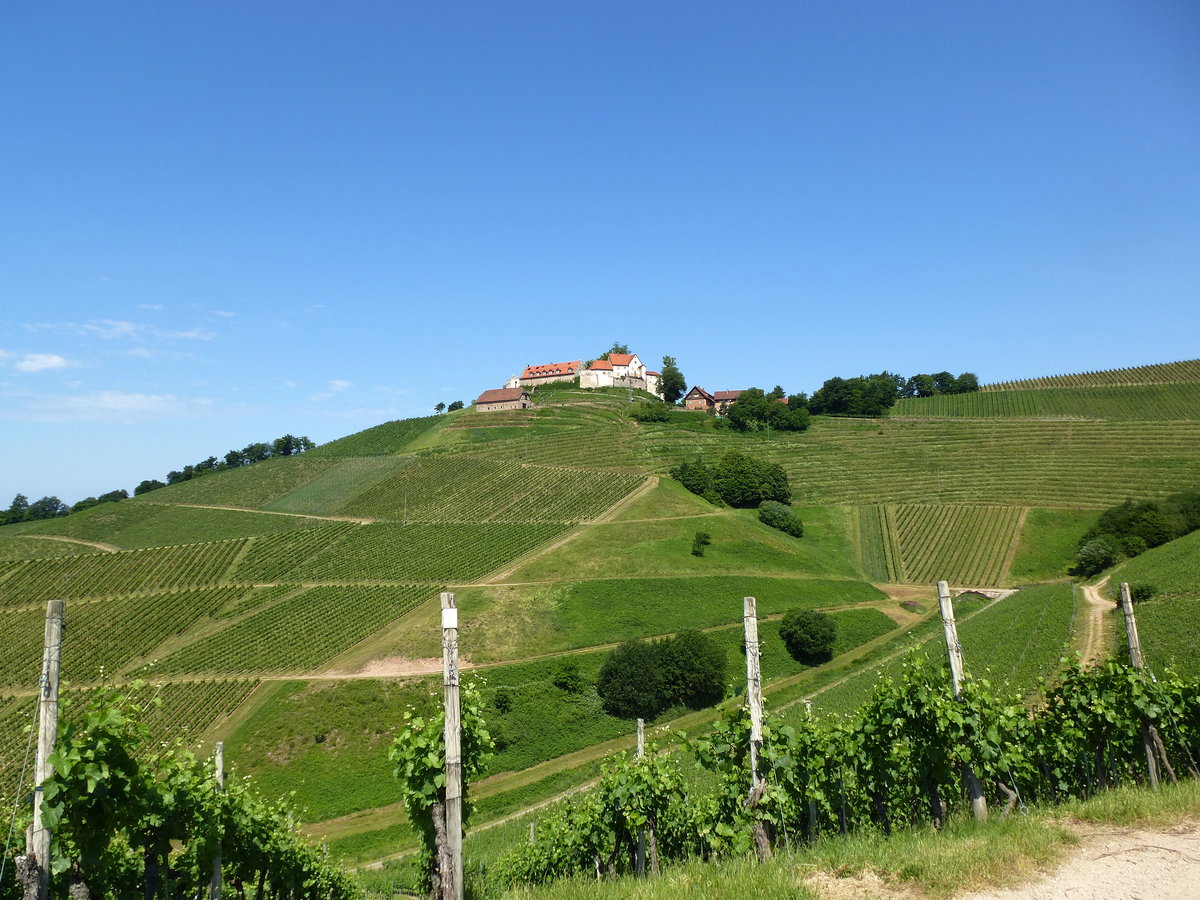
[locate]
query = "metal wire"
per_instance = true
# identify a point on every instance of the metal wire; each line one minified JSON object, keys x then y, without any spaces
{"x":12,"y":822}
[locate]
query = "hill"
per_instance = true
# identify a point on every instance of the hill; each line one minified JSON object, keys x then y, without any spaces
{"x":290,"y":608}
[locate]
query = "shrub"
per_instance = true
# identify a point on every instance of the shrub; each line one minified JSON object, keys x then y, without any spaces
{"x":808,"y":635}
{"x":699,"y":542}
{"x":781,"y":516}
{"x":1096,"y":555}
{"x":568,"y":677}
{"x":651,"y":412}
{"x":1139,"y":593}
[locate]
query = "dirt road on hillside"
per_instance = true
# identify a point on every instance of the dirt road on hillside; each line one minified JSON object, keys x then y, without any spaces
{"x":1095,"y":644}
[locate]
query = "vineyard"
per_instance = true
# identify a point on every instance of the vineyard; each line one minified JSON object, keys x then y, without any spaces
{"x":856,"y":462}
{"x":449,"y":489}
{"x":318,"y":624}
{"x":110,"y":574}
{"x":382,"y":440}
{"x":429,"y":553}
{"x":1013,"y":642}
{"x":277,"y":595}
{"x":1162,"y":373}
{"x":1166,"y":402}
{"x":146,"y":523}
{"x":960,"y":544}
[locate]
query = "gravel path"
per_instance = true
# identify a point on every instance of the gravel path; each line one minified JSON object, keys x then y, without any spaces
{"x":1120,"y":864}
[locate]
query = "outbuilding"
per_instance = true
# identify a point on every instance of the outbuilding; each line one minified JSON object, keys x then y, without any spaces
{"x":503,"y":398}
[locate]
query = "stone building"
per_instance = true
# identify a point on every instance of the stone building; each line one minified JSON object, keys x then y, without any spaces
{"x":503,"y":398}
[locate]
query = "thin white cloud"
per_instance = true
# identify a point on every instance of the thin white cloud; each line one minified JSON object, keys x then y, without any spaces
{"x":106,"y":406}
{"x":41,"y":362}
{"x":336,"y":386}
{"x":149,"y":306}
{"x":121,"y":329}
{"x":224,"y":314}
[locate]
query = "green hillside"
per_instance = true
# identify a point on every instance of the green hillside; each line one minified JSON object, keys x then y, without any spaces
{"x":290,"y":607}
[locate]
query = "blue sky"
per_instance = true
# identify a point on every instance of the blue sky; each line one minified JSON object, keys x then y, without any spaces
{"x":221,"y":222}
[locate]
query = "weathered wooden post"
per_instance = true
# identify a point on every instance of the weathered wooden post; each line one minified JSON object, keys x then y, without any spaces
{"x":1149,"y":732}
{"x":754,"y":699}
{"x":453,"y":750}
{"x":639,"y":863}
{"x":34,"y":870}
{"x":812,"y":804}
{"x":214,"y":881}
{"x":954,"y":649}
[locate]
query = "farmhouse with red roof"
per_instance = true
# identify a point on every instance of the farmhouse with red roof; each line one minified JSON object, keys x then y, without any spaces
{"x":503,"y":398}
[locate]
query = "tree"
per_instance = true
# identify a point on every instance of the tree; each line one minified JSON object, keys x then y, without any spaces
{"x":440,"y":408}
{"x":692,"y":668}
{"x":630,"y":683}
{"x":456,"y":405}
{"x":672,"y":384}
{"x":966,"y":383}
{"x":943,"y":382}
{"x":17,"y":509}
{"x":745,"y":482}
{"x":699,"y":541}
{"x":776,"y":393}
{"x":808,"y":635}
{"x":920,"y":386}
{"x":615,"y":348}
{"x":150,"y":484}
{"x":46,"y":508}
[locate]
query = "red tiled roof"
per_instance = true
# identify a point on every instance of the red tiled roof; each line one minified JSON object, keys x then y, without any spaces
{"x":726,"y":396}
{"x":621,"y":359}
{"x":601,"y":364}
{"x":501,"y":395}
{"x":567,"y":368}
{"x":696,"y":389}
{"x":648,"y":372}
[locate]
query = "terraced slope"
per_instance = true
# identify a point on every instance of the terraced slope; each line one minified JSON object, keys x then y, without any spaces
{"x":999,"y":462}
{"x":1161,"y":373}
{"x":1151,"y":403}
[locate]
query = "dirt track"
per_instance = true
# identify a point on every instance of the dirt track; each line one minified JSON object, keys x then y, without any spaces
{"x":1120,"y":864}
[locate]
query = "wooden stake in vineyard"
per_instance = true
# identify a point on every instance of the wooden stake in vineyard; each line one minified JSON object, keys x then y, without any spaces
{"x":954,"y":649}
{"x":1150,"y":736}
{"x":33,"y":869}
{"x":639,"y":865}
{"x":754,"y":698}
{"x":454,"y":873}
{"x":214,"y":882}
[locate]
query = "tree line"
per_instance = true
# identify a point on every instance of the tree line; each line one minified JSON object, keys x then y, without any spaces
{"x":22,"y":510}
{"x":1131,"y":528}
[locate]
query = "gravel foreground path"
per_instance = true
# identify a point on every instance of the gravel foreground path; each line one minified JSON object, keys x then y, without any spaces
{"x":1120,"y":864}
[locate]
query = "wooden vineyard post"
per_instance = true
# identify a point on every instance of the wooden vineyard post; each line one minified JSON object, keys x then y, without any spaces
{"x":38,"y":843}
{"x":954,"y":649}
{"x":1135,"y":660}
{"x":453,"y":750}
{"x":214,"y":882}
{"x":754,"y":699}
{"x":812,"y":804}
{"x":639,"y":863}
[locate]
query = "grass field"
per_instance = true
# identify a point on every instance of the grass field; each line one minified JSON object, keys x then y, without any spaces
{"x":1048,"y":543}
{"x":512,"y":621}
